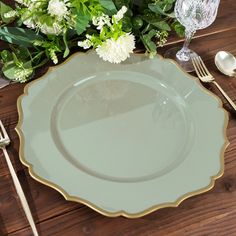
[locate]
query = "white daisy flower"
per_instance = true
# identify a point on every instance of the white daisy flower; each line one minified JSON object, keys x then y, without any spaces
{"x":116,"y":51}
{"x":120,"y":14}
{"x":100,"y":21}
{"x":57,"y":8}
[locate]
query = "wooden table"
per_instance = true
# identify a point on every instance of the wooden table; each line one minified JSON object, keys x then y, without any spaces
{"x":210,"y":214}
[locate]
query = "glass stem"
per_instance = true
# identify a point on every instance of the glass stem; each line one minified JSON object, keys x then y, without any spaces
{"x":184,"y":53}
{"x":188,"y":38}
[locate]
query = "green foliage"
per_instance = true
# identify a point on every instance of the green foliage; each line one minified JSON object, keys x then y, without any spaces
{"x":51,"y":46}
{"x":83,"y":18}
{"x":3,"y":10}
{"x":109,"y":6}
{"x":152,"y":18}
{"x":19,"y":36}
{"x":148,"y":42}
{"x":17,"y":64}
{"x":179,"y":29}
{"x":67,"y":49}
{"x":149,"y":20}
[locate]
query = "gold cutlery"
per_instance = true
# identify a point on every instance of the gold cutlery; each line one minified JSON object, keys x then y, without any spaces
{"x":206,"y":77}
{"x":4,"y":141}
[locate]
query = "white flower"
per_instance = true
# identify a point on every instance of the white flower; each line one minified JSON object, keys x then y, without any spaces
{"x":29,"y":23}
{"x":22,"y":74}
{"x":53,"y":56}
{"x":85,"y":44}
{"x":100,"y":21}
{"x":55,"y":29}
{"x":120,"y":14}
{"x":10,"y":14}
{"x":23,"y":2}
{"x":116,"y":51}
{"x":88,"y":36}
{"x":57,"y":8}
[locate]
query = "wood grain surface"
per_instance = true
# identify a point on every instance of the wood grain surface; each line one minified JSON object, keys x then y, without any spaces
{"x":210,"y":214}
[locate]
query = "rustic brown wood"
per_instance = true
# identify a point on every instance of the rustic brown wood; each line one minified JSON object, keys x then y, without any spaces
{"x":211,"y":213}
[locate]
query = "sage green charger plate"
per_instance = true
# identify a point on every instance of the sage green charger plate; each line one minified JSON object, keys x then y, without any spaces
{"x":123,"y":139}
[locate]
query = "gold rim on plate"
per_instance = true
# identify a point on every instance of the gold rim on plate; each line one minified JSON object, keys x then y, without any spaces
{"x":91,"y":205}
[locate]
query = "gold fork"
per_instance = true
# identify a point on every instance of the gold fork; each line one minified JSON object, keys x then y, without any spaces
{"x":4,"y":141}
{"x":205,"y":76}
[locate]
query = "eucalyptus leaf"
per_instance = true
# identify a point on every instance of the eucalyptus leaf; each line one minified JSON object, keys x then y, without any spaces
{"x":147,"y":41}
{"x":19,"y":36}
{"x":83,"y":19}
{"x":158,"y":10}
{"x":155,"y":8}
{"x":162,"y":25}
{"x":109,"y":5}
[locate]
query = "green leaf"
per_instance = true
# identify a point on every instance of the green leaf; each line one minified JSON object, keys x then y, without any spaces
{"x":179,"y":29}
{"x":127,"y":24}
{"x":19,"y":36}
{"x":82,"y":21}
{"x":16,"y":60}
{"x":20,"y":51}
{"x":9,"y":69}
{"x":4,"y":9}
{"x":67,"y":50}
{"x":109,"y":5}
{"x":155,"y":8}
{"x":158,"y":10}
{"x":23,"y":52}
{"x":162,"y":25}
{"x":6,"y":56}
{"x":42,"y":63}
{"x":147,"y":41}
{"x":46,"y":19}
{"x":121,"y":3}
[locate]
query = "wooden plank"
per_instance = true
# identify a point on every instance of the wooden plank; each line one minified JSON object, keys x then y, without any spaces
{"x":212,"y":213}
{"x":44,"y":203}
{"x":226,"y":20}
{"x":49,"y":204}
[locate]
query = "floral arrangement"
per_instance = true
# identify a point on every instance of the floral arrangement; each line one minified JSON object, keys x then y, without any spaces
{"x":39,"y":31}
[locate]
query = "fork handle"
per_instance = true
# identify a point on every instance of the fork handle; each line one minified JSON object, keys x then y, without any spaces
{"x":20,"y":193}
{"x":225,"y":95}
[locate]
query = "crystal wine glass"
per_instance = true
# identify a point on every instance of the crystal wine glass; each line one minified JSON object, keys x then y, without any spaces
{"x":193,"y":15}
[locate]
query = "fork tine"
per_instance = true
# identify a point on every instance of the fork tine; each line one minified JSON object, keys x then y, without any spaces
{"x":204,"y":66}
{"x":201,"y":67}
{"x":195,"y":67}
{"x":198,"y":68}
{"x":4,"y":135}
